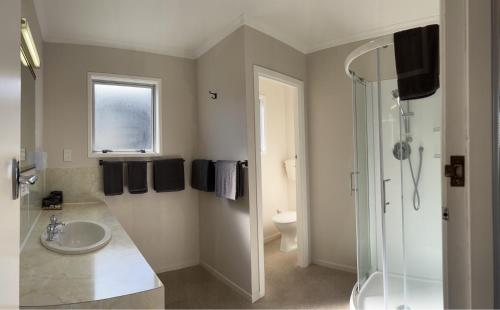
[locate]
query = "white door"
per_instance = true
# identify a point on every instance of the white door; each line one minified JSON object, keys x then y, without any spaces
{"x":10,"y":104}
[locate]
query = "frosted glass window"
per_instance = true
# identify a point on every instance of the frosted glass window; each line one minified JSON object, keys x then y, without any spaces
{"x":123,"y":117}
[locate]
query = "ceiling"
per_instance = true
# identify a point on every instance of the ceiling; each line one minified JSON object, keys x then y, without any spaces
{"x":188,"y":28}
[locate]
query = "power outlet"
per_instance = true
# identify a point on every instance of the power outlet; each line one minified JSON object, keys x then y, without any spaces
{"x":67,"y":155}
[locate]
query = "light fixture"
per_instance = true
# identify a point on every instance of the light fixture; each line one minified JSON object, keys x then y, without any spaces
{"x":24,"y":61}
{"x":30,"y":43}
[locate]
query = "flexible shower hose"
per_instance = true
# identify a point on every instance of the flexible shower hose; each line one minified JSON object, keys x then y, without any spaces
{"x":416,"y":194}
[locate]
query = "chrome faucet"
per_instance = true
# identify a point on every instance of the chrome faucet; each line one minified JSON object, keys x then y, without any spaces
{"x":54,"y":228}
{"x":28,"y":179}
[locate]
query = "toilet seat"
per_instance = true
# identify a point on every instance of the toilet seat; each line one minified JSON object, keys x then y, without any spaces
{"x":285,"y":217}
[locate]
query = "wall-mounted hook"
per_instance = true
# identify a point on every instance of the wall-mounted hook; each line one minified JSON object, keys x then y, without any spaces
{"x":213,"y":95}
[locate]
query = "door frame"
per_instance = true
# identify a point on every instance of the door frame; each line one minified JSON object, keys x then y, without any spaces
{"x":10,"y":124}
{"x":256,"y":218}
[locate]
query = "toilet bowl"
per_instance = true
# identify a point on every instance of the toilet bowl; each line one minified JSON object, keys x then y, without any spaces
{"x":286,"y":223}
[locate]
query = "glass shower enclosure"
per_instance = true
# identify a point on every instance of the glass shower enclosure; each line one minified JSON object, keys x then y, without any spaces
{"x":397,"y":187}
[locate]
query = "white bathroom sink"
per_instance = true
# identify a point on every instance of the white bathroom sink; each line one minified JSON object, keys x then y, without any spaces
{"x":78,"y":237}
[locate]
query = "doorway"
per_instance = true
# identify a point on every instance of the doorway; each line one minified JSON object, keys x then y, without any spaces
{"x":281,"y":172}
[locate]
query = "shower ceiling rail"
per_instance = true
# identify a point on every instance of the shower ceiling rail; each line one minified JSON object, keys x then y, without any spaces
{"x":365,"y":48}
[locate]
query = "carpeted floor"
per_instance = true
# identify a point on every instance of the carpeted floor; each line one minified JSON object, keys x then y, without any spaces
{"x":287,"y":286}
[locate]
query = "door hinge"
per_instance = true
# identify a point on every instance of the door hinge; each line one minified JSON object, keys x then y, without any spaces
{"x":456,"y":171}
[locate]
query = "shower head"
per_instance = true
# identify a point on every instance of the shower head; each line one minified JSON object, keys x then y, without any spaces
{"x":395,"y":97}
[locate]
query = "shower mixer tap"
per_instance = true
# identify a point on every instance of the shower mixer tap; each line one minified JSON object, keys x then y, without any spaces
{"x":402,"y":149}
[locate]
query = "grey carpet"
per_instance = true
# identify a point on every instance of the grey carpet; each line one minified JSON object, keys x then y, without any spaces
{"x":287,"y":286}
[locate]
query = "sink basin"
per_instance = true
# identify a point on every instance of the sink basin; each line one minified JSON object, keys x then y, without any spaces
{"x":78,"y":237}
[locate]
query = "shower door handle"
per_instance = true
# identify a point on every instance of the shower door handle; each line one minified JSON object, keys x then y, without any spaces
{"x":354,"y":188}
{"x":386,"y":203}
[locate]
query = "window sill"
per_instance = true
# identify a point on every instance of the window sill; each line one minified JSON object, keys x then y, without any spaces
{"x":122,"y":155}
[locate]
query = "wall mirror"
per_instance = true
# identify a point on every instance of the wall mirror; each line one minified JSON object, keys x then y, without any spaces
{"x":29,"y":60}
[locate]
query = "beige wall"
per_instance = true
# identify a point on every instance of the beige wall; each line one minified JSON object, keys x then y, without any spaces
{"x":479,"y":159}
{"x":224,"y":224}
{"x":226,"y":131}
{"x":331,"y":149}
{"x":480,"y":152}
{"x":267,"y":52}
{"x":163,"y":225}
{"x":468,"y":128}
{"x":329,"y":100}
{"x":280,"y":146}
{"x":457,"y":241}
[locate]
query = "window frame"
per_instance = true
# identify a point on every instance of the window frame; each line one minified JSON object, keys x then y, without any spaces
{"x":125,"y":80}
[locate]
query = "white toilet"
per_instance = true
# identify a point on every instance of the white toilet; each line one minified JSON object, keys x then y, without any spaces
{"x":286,"y":223}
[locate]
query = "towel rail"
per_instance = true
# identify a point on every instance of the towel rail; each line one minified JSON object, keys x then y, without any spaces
{"x":244,"y":163}
{"x":101,"y":161}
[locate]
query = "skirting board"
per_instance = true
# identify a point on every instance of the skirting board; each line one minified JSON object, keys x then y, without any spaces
{"x":272,"y":237}
{"x":177,"y":267}
{"x":224,"y":279}
{"x":332,"y":265}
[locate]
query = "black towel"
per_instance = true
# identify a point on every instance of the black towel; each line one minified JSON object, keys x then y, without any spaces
{"x":168,"y":175}
{"x":203,"y":175}
{"x":229,"y":179}
{"x":112,"y":177}
{"x":417,"y":61}
{"x":137,"y":172}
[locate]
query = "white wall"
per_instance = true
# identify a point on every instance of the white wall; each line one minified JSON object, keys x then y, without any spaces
{"x":164,"y":226}
{"x":292,"y":99}
{"x":280,"y":146}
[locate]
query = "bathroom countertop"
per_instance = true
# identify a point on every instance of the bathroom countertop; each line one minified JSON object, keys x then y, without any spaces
{"x":48,"y":278}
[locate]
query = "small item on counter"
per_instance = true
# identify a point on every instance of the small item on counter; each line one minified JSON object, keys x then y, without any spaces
{"x":47,"y":205}
{"x":58,"y":195}
{"x":53,"y":201}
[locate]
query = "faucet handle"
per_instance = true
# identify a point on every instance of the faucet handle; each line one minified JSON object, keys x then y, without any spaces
{"x":50,"y":232}
{"x":53,"y":220}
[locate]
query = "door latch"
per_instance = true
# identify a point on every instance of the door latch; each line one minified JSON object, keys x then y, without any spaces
{"x":446,"y":214}
{"x":456,"y":171}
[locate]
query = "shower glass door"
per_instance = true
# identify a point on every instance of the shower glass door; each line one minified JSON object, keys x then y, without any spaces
{"x":359,"y":180}
{"x":410,"y":150}
{"x":397,"y":187}
{"x":394,"y":151}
